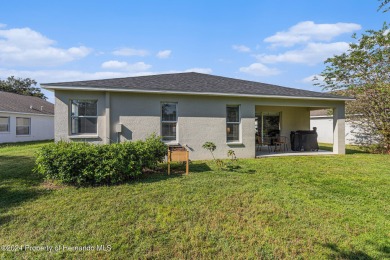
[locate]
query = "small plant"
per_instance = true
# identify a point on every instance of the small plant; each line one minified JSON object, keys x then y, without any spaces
{"x":232,"y":155}
{"x":210,"y":146}
{"x":232,"y":164}
{"x":219,"y":163}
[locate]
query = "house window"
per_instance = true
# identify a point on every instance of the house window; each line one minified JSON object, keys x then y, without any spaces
{"x":84,"y":117}
{"x":169,"y":121}
{"x":23,"y":126}
{"x":4,"y":124}
{"x":233,"y":123}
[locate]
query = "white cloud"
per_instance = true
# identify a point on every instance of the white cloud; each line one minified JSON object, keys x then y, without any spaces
{"x":123,"y":65}
{"x":26,"y":47}
{"x":307,"y":31}
{"x":310,"y":79}
{"x":312,"y":54}
{"x":3,"y":25}
{"x":258,"y":69}
{"x":164,"y":54}
{"x":131,"y":52}
{"x":46,"y":76}
{"x":200,"y":70}
{"x":241,"y":48}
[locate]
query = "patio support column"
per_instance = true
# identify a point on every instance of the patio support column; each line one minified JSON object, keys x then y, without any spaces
{"x":339,"y":129}
{"x":107,"y":118}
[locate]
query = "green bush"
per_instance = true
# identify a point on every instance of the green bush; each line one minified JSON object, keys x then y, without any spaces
{"x":79,"y":163}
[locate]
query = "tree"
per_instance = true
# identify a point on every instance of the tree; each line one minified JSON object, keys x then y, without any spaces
{"x":21,"y":86}
{"x":364,"y":73}
{"x":383,"y":4}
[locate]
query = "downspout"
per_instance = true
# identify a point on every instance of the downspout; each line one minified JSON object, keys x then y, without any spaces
{"x":107,"y":112}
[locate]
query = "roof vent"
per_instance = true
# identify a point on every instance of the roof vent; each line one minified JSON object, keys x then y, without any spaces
{"x":41,"y":108}
{"x":30,"y":106}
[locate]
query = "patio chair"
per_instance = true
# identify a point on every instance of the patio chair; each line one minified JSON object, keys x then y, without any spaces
{"x":265,"y":141}
{"x":281,"y":142}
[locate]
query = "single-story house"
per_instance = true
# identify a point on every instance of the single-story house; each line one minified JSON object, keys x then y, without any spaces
{"x":25,"y":118}
{"x":323,"y":120}
{"x":188,"y":109}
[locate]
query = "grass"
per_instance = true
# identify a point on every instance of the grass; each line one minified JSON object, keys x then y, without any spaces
{"x":292,"y":207}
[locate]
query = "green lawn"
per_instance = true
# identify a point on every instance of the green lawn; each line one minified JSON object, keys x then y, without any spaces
{"x":316,"y":207}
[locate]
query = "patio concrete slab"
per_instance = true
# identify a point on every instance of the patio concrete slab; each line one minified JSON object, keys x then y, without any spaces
{"x":265,"y":153}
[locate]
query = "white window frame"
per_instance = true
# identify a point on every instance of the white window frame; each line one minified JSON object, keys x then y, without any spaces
{"x":235,"y":123}
{"x":29,"y":126}
{"x":170,"y":122}
{"x":8,"y":124}
{"x":71,"y":117}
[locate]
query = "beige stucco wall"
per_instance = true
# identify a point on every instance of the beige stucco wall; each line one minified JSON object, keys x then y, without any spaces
{"x":200,"y":118}
{"x":62,"y":112}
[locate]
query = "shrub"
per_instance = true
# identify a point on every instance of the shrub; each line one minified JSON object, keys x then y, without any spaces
{"x":79,"y":163}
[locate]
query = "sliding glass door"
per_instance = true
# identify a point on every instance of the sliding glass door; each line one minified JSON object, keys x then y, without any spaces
{"x":268,"y":124}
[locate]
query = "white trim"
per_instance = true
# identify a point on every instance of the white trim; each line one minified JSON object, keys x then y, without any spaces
{"x":189,"y":93}
{"x":24,"y":113}
{"x":107,"y":118}
{"x":70,"y":117}
{"x":239,"y":141}
{"x":234,"y":143}
{"x":29,"y":126}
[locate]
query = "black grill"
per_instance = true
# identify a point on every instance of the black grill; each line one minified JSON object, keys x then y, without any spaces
{"x":304,"y":140}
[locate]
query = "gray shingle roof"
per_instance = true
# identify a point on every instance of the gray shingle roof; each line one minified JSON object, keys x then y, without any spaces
{"x":12,"y":102}
{"x":193,"y":83}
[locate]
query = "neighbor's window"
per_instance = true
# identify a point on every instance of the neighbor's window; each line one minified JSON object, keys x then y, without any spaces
{"x":4,"y":124}
{"x":233,"y":123}
{"x":84,"y":117}
{"x":168,"y":121}
{"x":23,"y":126}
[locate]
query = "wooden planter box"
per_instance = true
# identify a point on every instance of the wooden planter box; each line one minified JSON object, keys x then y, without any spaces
{"x":177,"y":154}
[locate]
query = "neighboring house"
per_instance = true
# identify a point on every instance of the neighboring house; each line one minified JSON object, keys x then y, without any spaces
{"x":188,"y":109}
{"x":25,"y":118}
{"x":323,"y":120}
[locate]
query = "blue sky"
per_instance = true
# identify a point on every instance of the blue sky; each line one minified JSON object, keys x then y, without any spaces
{"x":277,"y":42}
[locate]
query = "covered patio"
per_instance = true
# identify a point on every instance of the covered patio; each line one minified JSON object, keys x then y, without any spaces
{"x":277,"y":128}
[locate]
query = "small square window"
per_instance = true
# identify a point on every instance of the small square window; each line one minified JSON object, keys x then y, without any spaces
{"x":83,"y":117}
{"x":23,"y":126}
{"x":4,"y":124}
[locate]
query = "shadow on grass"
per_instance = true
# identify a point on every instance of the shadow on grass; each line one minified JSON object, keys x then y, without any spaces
{"x":178,"y":170}
{"x":25,"y":143}
{"x":181,"y":168}
{"x":345,"y":254}
{"x":350,"y":149}
{"x":18,"y":169}
{"x":18,"y":184}
{"x":11,"y":197}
